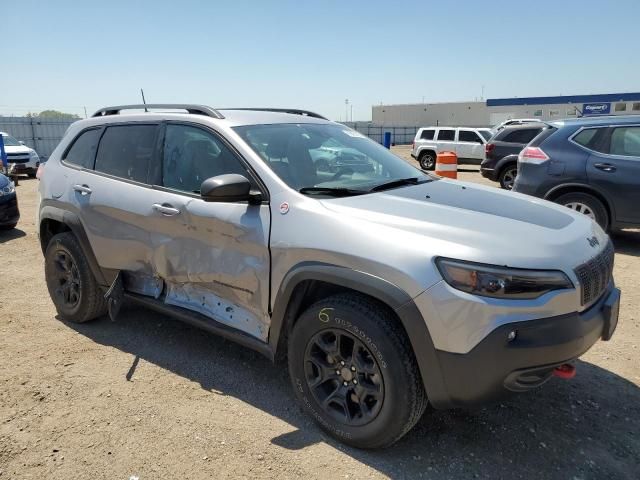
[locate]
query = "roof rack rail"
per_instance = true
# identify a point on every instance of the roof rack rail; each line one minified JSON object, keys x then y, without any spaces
{"x":194,"y":109}
{"x":293,"y":111}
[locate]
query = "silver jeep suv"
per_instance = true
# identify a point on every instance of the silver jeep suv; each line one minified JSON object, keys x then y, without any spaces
{"x":386,"y":288}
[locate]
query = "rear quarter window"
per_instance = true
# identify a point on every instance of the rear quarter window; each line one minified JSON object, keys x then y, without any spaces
{"x":83,"y":150}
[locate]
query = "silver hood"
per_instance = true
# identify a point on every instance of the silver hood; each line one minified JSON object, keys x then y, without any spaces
{"x":476,"y":223}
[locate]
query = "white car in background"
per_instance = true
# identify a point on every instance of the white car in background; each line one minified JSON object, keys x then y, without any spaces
{"x":21,"y":159}
{"x":467,"y":143}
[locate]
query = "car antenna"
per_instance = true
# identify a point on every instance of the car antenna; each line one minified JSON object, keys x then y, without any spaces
{"x":143,"y":100}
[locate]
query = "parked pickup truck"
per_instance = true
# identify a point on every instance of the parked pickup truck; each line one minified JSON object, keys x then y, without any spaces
{"x":467,"y":143}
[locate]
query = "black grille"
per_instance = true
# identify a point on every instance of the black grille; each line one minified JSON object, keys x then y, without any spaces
{"x":595,"y":275}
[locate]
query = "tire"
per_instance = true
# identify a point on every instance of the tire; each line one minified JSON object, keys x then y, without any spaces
{"x":507,"y":176}
{"x":31,"y":175}
{"x":71,"y":284}
{"x":427,"y":160}
{"x":376,"y":396}
{"x":9,"y":227}
{"x":587,"y":204}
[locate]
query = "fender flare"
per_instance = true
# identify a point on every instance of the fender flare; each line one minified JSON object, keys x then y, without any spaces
{"x":50,"y":211}
{"x":394,"y":297}
{"x":589,"y":188}
{"x":513,"y":158}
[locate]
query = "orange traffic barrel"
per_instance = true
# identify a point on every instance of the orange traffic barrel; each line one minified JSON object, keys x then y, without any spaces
{"x":447,"y":165}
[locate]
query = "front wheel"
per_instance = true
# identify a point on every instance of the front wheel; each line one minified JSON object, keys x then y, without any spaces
{"x":587,"y":205}
{"x":354,"y":372}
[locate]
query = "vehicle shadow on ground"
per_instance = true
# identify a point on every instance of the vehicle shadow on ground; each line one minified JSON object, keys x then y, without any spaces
{"x":627,"y":242}
{"x":8,"y":235}
{"x":583,"y":428}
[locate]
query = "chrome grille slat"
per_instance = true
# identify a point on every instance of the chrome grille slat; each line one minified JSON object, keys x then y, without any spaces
{"x":595,"y":275}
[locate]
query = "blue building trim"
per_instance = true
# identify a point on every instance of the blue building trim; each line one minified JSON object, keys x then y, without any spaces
{"x":607,"y":97}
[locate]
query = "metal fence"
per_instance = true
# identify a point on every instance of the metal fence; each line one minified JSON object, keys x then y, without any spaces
{"x":41,"y":134}
{"x":399,"y":135}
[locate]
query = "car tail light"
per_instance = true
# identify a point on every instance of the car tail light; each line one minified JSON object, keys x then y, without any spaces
{"x":532,"y":155}
{"x":488,"y":148}
{"x":40,"y":171}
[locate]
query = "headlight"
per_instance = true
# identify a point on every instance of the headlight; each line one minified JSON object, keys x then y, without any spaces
{"x":7,"y":190}
{"x":33,"y":155}
{"x":501,"y":282}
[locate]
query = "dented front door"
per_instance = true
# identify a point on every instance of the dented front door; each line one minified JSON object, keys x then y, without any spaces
{"x":215,"y":260}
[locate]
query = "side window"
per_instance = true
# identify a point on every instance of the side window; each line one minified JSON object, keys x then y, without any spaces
{"x":448,"y":135}
{"x":125,"y":151}
{"x":625,"y":141}
{"x":468,"y":136}
{"x":191,"y":155}
{"x":427,"y":135}
{"x":521,"y":135}
{"x":586,"y":138}
{"x":83,"y":150}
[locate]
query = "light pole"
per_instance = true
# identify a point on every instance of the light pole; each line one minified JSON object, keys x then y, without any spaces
{"x":346,"y":109}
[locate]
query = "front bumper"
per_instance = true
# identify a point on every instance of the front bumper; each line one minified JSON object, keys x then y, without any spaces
{"x":9,"y":213}
{"x":497,"y":366}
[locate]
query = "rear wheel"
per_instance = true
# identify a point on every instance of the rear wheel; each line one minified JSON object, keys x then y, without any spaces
{"x":71,"y":284}
{"x":427,"y":160}
{"x":587,"y":205}
{"x":353,"y":371}
{"x":508,"y":176}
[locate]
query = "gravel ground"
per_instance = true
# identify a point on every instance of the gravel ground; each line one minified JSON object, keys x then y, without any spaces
{"x":152,"y":398}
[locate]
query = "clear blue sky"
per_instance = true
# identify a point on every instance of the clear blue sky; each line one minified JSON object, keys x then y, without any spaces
{"x":311,"y":54}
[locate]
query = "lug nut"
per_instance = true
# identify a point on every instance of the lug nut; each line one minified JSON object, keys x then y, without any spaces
{"x":342,"y":363}
{"x":345,"y":383}
{"x":353,"y":369}
{"x":337,"y":372}
{"x":512,"y":335}
{"x":355,"y":381}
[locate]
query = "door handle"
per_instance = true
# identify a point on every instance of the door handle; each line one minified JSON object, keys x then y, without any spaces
{"x":605,"y":167}
{"x":165,"y":209}
{"x":82,"y":189}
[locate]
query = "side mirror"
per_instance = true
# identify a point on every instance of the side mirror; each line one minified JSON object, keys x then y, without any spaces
{"x":230,"y":187}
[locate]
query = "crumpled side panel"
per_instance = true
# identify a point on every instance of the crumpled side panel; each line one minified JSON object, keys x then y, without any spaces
{"x":203,"y":301}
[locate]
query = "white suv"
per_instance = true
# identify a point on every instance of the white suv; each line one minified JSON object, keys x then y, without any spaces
{"x":467,"y":143}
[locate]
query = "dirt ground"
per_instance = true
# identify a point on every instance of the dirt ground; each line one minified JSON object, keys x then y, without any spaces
{"x":152,"y":398}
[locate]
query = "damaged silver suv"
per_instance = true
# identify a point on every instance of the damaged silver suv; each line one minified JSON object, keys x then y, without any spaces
{"x":385,"y":287}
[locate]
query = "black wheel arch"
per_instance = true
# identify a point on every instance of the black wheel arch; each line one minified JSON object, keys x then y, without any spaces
{"x":309,"y":282}
{"x":54,"y":220}
{"x":504,"y":162}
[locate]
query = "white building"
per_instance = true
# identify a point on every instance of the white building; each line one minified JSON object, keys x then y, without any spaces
{"x":493,"y":111}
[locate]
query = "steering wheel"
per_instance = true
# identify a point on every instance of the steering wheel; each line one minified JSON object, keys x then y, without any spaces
{"x":343,"y":171}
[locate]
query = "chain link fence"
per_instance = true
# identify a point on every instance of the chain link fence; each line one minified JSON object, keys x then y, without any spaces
{"x":40,"y":133}
{"x":399,"y":135}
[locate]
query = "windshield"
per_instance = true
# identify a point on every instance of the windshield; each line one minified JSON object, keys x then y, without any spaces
{"x":9,"y":141}
{"x":486,"y":134}
{"x":325,"y":157}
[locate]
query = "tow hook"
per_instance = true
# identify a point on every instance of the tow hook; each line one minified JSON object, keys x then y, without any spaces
{"x":566,"y":371}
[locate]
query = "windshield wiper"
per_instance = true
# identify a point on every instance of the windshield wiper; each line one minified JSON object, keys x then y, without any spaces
{"x":396,"y":183}
{"x":332,"y":191}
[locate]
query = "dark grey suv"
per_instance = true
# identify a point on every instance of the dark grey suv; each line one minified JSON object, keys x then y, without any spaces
{"x":591,"y":165}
